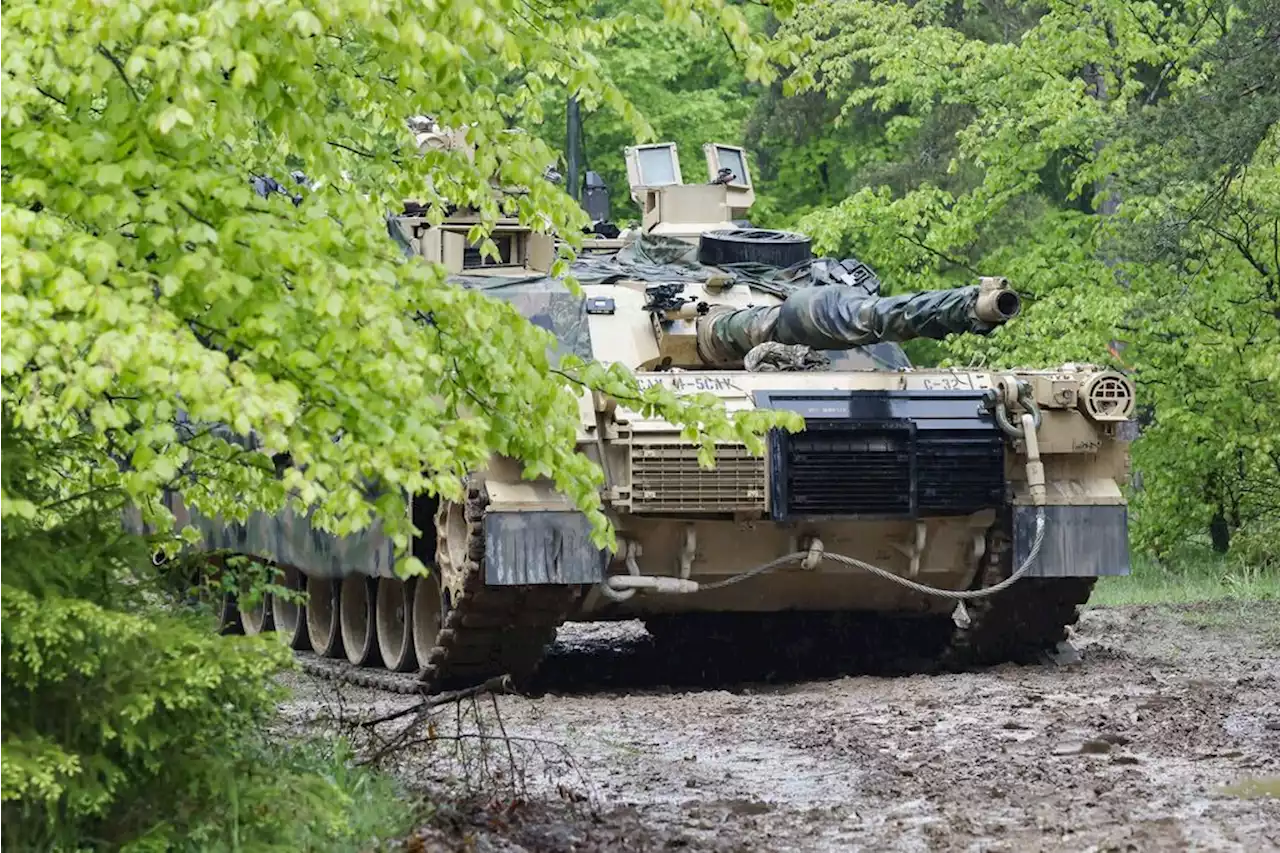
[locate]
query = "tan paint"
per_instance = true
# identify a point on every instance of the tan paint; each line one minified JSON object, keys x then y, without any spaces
{"x":722,"y":527}
{"x":685,"y":211}
{"x":948,"y":560}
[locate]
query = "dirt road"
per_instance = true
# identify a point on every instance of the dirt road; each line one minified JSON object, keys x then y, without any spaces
{"x":1135,"y":747}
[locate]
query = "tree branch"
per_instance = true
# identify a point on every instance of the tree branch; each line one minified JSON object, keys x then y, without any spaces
{"x":50,"y":96}
{"x":120,"y":68}
{"x":495,"y":685}
{"x":923,"y":245}
{"x":368,"y":154}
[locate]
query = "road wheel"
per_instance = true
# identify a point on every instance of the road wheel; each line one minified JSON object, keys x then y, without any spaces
{"x":428,"y":615}
{"x":290,"y":617}
{"x":357,"y":619}
{"x":258,"y":618}
{"x":393,"y":618}
{"x":323,"y":609}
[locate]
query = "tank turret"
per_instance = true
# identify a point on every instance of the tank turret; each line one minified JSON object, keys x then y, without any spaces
{"x":841,"y":318}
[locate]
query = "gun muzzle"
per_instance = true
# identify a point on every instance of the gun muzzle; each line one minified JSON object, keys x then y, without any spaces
{"x":996,"y":302}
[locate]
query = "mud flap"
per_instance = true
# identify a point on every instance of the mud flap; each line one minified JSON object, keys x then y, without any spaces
{"x":1079,"y":541}
{"x":540,"y":548}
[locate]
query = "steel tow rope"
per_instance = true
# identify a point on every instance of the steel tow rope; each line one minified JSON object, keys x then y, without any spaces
{"x":621,"y":587}
{"x":953,"y":594}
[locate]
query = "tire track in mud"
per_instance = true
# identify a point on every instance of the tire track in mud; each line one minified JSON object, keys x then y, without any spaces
{"x":1129,"y":749}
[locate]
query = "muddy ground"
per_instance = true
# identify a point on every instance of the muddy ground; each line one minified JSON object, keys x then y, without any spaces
{"x":1165,"y":735}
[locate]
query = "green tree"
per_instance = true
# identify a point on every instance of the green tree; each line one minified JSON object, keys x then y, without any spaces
{"x":166,"y":327}
{"x":692,"y":85}
{"x":1201,"y":238}
{"x":1118,"y":164}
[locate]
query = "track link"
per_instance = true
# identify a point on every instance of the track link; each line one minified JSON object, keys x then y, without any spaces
{"x":491,"y":630}
{"x":1017,"y":624}
{"x":405,"y":683}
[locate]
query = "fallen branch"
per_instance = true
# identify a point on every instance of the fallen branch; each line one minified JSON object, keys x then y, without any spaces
{"x":420,"y":710}
{"x":497,"y":684}
{"x":502,"y":760}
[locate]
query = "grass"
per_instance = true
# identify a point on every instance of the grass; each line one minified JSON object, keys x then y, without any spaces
{"x":308,"y":796}
{"x":380,"y":810}
{"x":1190,"y":578}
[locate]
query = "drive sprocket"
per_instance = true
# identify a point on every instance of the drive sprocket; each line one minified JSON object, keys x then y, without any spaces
{"x":486,"y":630}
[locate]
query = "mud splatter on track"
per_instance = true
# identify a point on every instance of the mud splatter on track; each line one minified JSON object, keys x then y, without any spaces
{"x":1132,"y":748}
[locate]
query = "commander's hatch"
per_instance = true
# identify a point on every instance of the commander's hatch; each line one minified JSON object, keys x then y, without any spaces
{"x":673,"y":208}
{"x":727,"y":166}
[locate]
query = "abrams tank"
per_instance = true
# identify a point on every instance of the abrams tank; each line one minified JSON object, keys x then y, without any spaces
{"x":982,"y":503}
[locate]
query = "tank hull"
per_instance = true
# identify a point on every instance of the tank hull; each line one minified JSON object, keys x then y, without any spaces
{"x":948,"y":558}
{"x":516,"y":560}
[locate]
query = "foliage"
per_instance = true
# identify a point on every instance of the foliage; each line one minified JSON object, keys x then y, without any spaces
{"x":802,"y":159}
{"x":1120,"y":166}
{"x":1191,"y":573}
{"x":1203,"y":236}
{"x":687,"y":82}
{"x":167,"y":328}
{"x":143,"y":276}
{"x":127,"y":724}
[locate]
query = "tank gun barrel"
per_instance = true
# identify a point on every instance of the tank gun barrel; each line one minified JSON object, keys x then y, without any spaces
{"x":831,"y":317}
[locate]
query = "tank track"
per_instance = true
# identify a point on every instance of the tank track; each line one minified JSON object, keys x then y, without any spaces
{"x":330,"y":669}
{"x":492,"y":630}
{"x":489,"y":631}
{"x":1018,"y":624}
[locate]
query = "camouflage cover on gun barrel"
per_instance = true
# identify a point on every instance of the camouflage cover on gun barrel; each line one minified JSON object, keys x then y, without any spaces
{"x":837,"y":318}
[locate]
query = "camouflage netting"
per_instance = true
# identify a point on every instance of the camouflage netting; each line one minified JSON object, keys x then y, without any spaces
{"x":652,"y":257}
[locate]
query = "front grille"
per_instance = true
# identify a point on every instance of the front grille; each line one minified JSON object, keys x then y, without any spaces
{"x":665,"y":477}
{"x":902,"y":454}
{"x":833,"y":470}
{"x":958,"y":472}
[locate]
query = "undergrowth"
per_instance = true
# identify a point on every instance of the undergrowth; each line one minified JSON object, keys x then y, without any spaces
{"x":128,"y":723}
{"x":309,"y":796}
{"x":146,"y":733}
{"x":1193,"y":574}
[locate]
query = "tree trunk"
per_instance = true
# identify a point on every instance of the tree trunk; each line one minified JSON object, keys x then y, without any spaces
{"x":1220,"y":532}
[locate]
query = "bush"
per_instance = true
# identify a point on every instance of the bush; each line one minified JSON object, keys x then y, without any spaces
{"x":128,"y":722}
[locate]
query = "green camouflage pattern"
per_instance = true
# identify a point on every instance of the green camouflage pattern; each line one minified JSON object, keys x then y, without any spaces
{"x":286,"y":539}
{"x":838,"y":318}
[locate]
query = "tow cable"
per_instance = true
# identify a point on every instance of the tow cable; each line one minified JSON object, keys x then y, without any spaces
{"x":623,"y":587}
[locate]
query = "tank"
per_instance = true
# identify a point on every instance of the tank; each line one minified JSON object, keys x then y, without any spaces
{"x":979,"y":504}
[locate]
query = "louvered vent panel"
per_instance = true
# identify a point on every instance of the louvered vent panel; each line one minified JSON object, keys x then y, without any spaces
{"x":839,"y":471}
{"x":667,"y":478}
{"x":958,"y":472}
{"x":885,"y":454}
